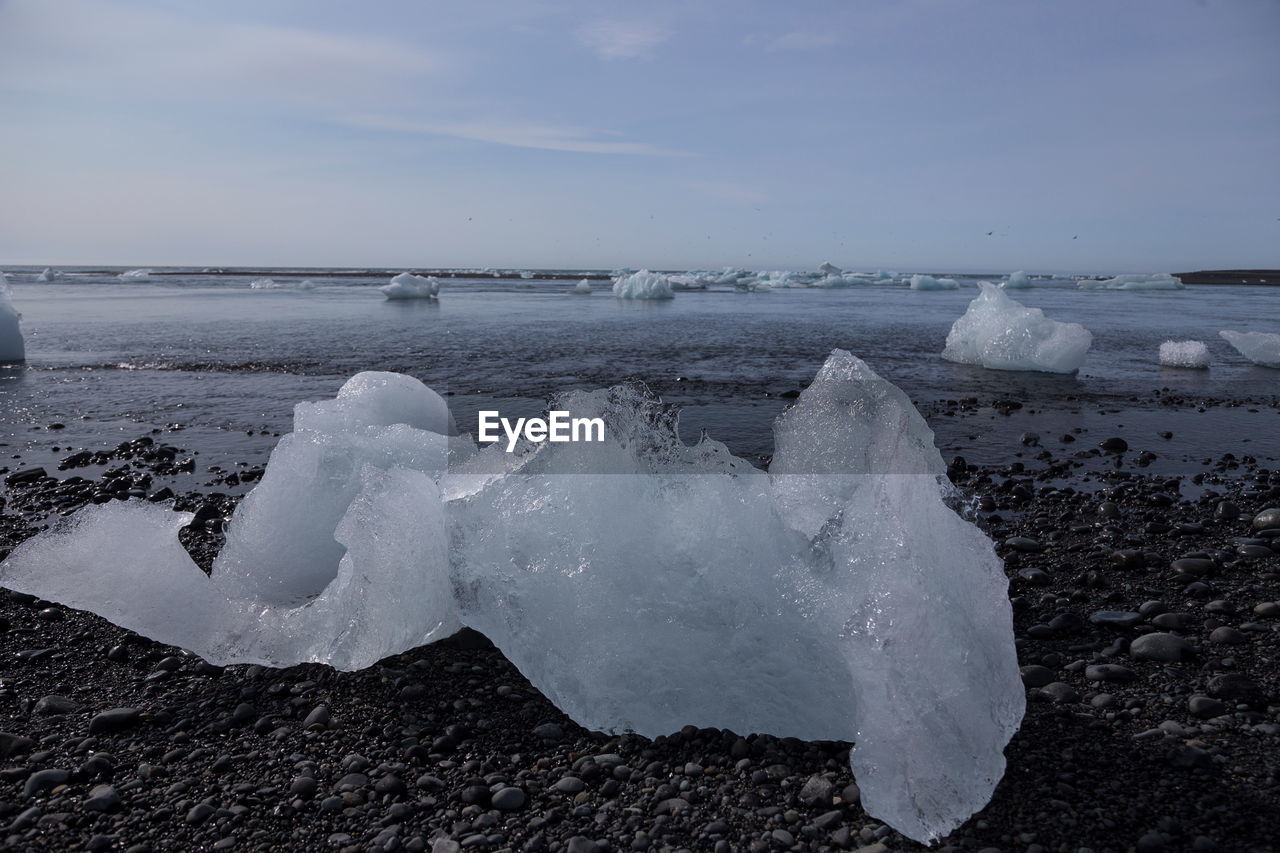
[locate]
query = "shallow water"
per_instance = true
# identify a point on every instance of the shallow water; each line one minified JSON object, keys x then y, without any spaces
{"x":111,"y":360}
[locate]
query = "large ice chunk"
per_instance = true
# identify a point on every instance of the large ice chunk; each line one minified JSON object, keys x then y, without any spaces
{"x":1262,"y":348}
{"x":1184,"y":354}
{"x":828,"y":268}
{"x":1000,"y":333}
{"x":12,"y":345}
{"x":928,"y":282}
{"x":643,"y":285}
{"x":1017,"y":281}
{"x":1159,"y":281}
{"x":640,"y":583}
{"x":410,"y":286}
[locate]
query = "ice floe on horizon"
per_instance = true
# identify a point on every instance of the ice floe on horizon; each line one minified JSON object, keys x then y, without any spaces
{"x":1017,"y":281}
{"x":135,"y":275}
{"x":643,"y":285}
{"x":409,"y":286}
{"x":1158,"y":281}
{"x":838,"y":596}
{"x":928,"y":282}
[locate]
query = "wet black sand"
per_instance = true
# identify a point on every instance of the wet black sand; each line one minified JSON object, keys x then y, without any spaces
{"x":415,"y":753}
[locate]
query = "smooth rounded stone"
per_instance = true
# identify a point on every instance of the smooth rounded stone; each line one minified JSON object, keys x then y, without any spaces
{"x":1227,"y":636}
{"x":1166,"y":648}
{"x":671,"y":805}
{"x":14,"y":745}
{"x":1118,"y":619}
{"x":549,"y":731}
{"x":1034,"y":575}
{"x":1109,"y":509}
{"x":569,"y":785}
{"x":783,"y":838}
{"x":1023,"y":544}
{"x":103,"y":798}
{"x":113,"y":720}
{"x":390,"y":784}
{"x":1034,"y":675}
{"x":1193,"y":567}
{"x":1067,"y":623}
{"x":1220,"y":606}
{"x":351,"y":782}
{"x":581,"y":844}
{"x":54,"y":705}
{"x":1128,"y":559}
{"x":1226,"y":511}
{"x":44,"y":780}
{"x":1234,"y":686}
{"x":1102,"y":700}
{"x":304,"y":787}
{"x":1206,"y":707}
{"x":199,"y":813}
{"x":1267,"y":609}
{"x":1153,"y":608}
{"x":319,"y":717}
{"x":1268,"y":519}
{"x":445,"y":845}
{"x":1061,"y":692}
{"x":1115,"y":444}
{"x":509,"y":799}
{"x":1254,"y":552}
{"x":1109,"y":672}
{"x":1174,"y":621}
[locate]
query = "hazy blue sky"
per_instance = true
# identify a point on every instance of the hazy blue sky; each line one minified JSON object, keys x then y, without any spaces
{"x":1123,"y":136}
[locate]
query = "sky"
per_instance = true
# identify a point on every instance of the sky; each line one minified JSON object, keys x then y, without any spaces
{"x":959,"y":135}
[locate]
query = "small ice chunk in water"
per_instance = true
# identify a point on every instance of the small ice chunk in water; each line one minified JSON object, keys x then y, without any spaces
{"x":1159,"y":281}
{"x":643,"y":285}
{"x":582,"y":288}
{"x":1002,"y":334}
{"x":1017,"y":281}
{"x":1184,"y":354}
{"x":829,"y":268}
{"x":13,"y":346}
{"x":928,"y":282}
{"x":409,"y":286}
{"x":49,"y":274}
{"x":270,"y":284}
{"x":135,"y":275}
{"x":639,"y":583}
{"x":1262,"y":348}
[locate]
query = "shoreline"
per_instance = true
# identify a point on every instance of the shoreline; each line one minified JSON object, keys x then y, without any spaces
{"x":1117,"y":751}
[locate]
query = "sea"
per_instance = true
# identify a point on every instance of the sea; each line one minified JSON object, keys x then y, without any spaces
{"x":201,"y":360}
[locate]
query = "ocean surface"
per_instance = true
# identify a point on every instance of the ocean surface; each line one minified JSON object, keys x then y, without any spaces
{"x":214,"y":366}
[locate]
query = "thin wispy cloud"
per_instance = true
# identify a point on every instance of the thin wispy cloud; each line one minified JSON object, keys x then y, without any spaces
{"x":65,"y":48}
{"x":518,"y":134}
{"x":622,"y":39}
{"x":805,"y":41}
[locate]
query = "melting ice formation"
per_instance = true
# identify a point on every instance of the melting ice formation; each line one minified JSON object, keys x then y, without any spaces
{"x":409,"y":286}
{"x":271,"y":284}
{"x":12,"y":345}
{"x":49,"y":274}
{"x":643,"y":285}
{"x":135,"y":275}
{"x":582,"y":288}
{"x":928,"y":282}
{"x":1262,"y":348}
{"x":640,"y":583}
{"x":1159,"y":281}
{"x":1017,"y":281}
{"x":1193,"y":354}
{"x":1003,"y":334}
